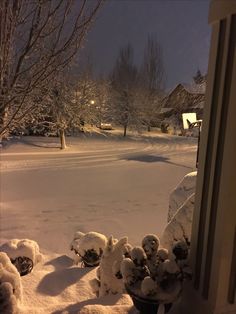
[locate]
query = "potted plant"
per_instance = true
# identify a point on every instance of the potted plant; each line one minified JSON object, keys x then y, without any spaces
{"x":153,"y":276}
{"x":88,"y":248}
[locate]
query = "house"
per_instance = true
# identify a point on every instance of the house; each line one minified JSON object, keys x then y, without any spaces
{"x":183,"y":99}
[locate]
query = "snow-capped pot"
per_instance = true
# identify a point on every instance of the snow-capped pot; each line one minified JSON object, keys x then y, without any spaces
{"x":23,"y":253}
{"x":88,"y":248}
{"x":153,"y":277}
{"x":144,"y":305}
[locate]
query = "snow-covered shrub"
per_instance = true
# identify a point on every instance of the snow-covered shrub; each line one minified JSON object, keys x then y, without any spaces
{"x":182,"y":192}
{"x":10,"y":286}
{"x":109,"y":280}
{"x":180,"y":226}
{"x":8,"y":302}
{"x":152,"y":273}
{"x":24,"y":247}
{"x":88,"y":247}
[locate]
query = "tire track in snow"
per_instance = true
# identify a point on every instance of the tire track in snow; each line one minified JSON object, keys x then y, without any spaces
{"x":100,"y":158}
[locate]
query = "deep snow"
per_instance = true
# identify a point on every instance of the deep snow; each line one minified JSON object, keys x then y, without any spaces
{"x":100,"y":183}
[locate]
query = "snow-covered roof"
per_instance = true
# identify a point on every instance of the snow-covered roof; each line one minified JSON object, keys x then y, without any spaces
{"x":195,"y":88}
{"x":190,"y":88}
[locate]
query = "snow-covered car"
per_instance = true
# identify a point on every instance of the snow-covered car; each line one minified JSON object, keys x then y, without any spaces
{"x":106,"y":126}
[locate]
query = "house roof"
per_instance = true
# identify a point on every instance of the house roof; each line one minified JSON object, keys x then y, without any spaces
{"x":190,"y":88}
{"x":195,"y":88}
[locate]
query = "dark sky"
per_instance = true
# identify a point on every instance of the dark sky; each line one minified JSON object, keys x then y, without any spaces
{"x":181,"y":27}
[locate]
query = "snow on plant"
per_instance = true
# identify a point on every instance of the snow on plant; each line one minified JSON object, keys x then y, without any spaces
{"x":181,"y":193}
{"x":18,"y":248}
{"x":150,"y":244}
{"x":109,"y":277}
{"x":153,"y":273}
{"x":180,"y":226}
{"x":88,"y":247}
{"x":10,"y":286}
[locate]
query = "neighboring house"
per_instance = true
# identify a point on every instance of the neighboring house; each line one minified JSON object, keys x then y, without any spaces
{"x":183,"y":99}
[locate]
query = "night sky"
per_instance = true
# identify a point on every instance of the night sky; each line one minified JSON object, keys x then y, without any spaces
{"x":180,"y":26}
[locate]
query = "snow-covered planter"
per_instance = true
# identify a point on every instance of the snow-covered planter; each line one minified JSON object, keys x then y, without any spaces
{"x":88,"y":247}
{"x":24,"y":254}
{"x":10,"y":286}
{"x":151,"y":277}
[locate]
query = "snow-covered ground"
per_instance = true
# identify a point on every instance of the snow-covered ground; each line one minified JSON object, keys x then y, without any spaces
{"x":102,"y":183}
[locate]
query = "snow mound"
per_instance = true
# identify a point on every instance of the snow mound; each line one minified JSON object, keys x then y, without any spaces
{"x":180,"y":226}
{"x":183,"y":190}
{"x":10,"y":286}
{"x":110,"y":304}
{"x":25,"y":247}
{"x":106,"y":309}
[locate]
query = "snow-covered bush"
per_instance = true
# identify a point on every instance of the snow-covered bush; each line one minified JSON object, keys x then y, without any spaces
{"x":154,"y":274}
{"x":109,"y":275}
{"x":181,"y":193}
{"x":88,"y":247}
{"x":10,"y":286}
{"x":24,"y":247}
{"x":180,"y":226}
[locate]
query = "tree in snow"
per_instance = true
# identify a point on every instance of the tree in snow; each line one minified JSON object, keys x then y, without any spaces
{"x":68,"y":104}
{"x":37,"y":39}
{"x":151,"y":82}
{"x":103,"y":101}
{"x":199,"y":78}
{"x":123,"y":88}
{"x":86,"y":91}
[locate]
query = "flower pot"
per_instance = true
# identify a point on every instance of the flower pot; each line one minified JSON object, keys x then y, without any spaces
{"x":23,"y":264}
{"x":145,"y":305}
{"x":91,"y":258}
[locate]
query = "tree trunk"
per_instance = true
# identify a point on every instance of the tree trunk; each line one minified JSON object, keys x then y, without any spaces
{"x":125,"y":129}
{"x":62,"y":138}
{"x":149,"y":128}
{"x":3,"y":118}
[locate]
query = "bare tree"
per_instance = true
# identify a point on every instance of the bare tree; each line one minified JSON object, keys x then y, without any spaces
{"x":151,"y":80}
{"x":123,"y":83}
{"x":37,"y":38}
